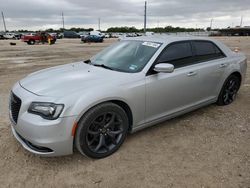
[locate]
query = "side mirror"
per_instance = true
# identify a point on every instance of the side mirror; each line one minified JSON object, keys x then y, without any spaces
{"x":164,"y":67}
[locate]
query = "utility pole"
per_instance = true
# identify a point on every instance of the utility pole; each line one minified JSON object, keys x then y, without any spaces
{"x":211,"y":23}
{"x":99,"y":24}
{"x":145,"y":17}
{"x":241,"y":21}
{"x":4,"y":23}
{"x":63,"y":21}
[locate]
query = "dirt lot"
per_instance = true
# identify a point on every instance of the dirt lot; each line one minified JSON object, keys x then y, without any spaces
{"x":206,"y":148}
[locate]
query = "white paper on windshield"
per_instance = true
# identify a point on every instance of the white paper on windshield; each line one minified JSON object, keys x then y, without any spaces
{"x":151,"y":44}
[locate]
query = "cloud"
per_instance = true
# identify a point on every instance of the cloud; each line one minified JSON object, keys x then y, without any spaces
{"x":42,"y":14}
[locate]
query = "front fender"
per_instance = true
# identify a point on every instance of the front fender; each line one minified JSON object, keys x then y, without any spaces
{"x":133,"y":95}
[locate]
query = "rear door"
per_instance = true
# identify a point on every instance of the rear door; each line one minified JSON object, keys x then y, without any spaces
{"x":212,"y":63}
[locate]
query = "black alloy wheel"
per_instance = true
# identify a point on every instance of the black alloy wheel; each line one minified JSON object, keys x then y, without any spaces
{"x":229,"y":90}
{"x":102,"y":130}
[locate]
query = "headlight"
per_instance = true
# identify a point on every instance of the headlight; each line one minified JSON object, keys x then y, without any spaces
{"x":47,"y":110}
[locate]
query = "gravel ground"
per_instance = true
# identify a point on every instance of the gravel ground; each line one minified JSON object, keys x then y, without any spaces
{"x":205,"y":148}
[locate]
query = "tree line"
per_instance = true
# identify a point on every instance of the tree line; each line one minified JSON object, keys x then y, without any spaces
{"x":156,"y":29}
{"x":50,"y":30}
{"x":124,"y":30}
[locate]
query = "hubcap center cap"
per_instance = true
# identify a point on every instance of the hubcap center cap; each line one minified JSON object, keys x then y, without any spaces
{"x":103,"y":130}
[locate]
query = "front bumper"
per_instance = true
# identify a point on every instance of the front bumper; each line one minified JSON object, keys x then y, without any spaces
{"x":28,"y":145}
{"x":40,"y":136}
{"x":54,"y":140}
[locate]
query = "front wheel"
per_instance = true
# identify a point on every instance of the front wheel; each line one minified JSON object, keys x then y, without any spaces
{"x":102,"y":130}
{"x":229,"y":90}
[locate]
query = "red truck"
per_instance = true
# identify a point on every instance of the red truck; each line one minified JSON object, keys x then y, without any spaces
{"x":31,"y":39}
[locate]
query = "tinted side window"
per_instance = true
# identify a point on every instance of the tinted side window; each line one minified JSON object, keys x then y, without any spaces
{"x":179,"y":54}
{"x":206,"y":51}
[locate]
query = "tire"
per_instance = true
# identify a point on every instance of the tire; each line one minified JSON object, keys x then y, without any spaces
{"x":102,"y":130}
{"x":31,"y":42}
{"x":229,"y":90}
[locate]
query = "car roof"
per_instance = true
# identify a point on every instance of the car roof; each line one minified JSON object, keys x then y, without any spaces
{"x":166,"y":39}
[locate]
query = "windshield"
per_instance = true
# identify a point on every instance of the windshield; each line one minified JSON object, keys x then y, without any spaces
{"x":126,"y":56}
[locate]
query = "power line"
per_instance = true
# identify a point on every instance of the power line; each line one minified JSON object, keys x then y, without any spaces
{"x":241,"y":21}
{"x":99,"y":24}
{"x":211,"y":23}
{"x":63,"y":20}
{"x":145,"y":17}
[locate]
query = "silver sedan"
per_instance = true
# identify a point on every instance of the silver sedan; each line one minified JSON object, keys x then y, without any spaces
{"x":135,"y":83}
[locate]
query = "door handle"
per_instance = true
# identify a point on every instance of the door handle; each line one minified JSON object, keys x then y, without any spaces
{"x":223,"y":65}
{"x":192,"y":73}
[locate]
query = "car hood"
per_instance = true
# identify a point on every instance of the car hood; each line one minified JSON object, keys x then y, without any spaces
{"x":65,"y":79}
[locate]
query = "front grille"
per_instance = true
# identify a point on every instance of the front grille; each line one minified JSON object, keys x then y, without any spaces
{"x":15,"y":104}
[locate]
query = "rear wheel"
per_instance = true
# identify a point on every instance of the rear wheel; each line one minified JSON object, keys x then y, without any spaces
{"x":102,"y":130}
{"x":229,"y":90}
{"x":31,"y":42}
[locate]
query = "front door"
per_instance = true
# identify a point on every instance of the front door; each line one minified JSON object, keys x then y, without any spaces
{"x":167,"y":93}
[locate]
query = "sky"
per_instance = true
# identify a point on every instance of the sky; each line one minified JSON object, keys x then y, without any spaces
{"x":44,"y":14}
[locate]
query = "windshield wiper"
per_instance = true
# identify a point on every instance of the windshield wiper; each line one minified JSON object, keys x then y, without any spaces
{"x":102,"y":65}
{"x":87,"y":61}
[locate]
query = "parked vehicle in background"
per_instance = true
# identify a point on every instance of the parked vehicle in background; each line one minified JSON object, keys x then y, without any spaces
{"x":133,"y":84}
{"x":107,"y":35}
{"x":18,"y":36}
{"x":131,"y":35}
{"x":116,"y":35}
{"x":31,"y":34}
{"x":40,"y":37}
{"x":83,"y":33}
{"x":70,"y":34}
{"x":149,"y":33}
{"x":122,"y":36}
{"x":59,"y":35}
{"x":97,"y":33}
{"x":91,"y":38}
{"x":1,"y":36}
{"x":9,"y":36}
{"x":56,"y":35}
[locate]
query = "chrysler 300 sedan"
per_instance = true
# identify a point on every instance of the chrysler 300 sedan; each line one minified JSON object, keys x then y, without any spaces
{"x":135,"y":83}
